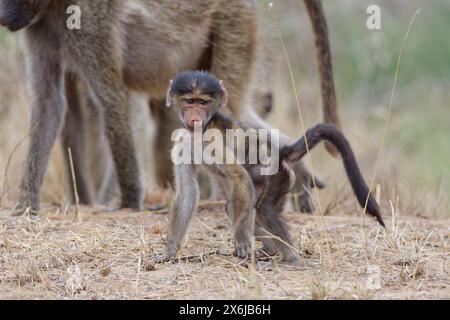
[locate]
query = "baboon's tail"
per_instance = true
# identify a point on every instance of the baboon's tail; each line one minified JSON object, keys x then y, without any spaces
{"x":323,"y":51}
{"x":333,"y":135}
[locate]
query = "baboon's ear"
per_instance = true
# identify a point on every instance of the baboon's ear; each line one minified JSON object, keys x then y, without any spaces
{"x":168,"y":97}
{"x":224,"y":102}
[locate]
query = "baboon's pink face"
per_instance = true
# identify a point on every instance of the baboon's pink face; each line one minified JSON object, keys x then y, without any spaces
{"x":196,"y":97}
{"x":195,"y":110}
{"x":18,"y":14}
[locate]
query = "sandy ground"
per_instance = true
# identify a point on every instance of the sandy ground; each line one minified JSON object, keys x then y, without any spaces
{"x":109,"y":256}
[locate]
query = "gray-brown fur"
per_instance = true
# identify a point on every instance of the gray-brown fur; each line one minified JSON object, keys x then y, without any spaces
{"x":73,"y":137}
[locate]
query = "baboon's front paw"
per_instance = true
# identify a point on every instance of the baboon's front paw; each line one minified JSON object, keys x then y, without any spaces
{"x":169,"y":256}
{"x":160,"y":259}
{"x":243,"y":250}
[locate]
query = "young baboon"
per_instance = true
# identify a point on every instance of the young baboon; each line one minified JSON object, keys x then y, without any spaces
{"x":123,"y":46}
{"x":255,"y":201}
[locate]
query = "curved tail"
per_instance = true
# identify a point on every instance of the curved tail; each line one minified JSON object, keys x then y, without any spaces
{"x":319,"y":25}
{"x":333,"y":135}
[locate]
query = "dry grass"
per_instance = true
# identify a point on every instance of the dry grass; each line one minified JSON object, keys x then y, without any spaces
{"x":108,"y":256}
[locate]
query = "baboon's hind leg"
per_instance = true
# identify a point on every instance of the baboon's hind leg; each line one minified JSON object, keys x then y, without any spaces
{"x":269,"y":220}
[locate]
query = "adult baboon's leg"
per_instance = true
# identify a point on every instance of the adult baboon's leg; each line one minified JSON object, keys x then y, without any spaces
{"x":74,"y":137}
{"x":166,"y":122}
{"x":47,"y":114}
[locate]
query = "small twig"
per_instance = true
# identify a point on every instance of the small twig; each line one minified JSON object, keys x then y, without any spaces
{"x":199,"y":258}
{"x":202,"y":205}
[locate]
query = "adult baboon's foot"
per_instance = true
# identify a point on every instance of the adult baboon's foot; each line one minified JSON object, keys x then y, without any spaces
{"x":160,"y":259}
{"x":243,"y":249}
{"x":132,"y":199}
{"x":157,"y":199}
{"x":25,"y":207}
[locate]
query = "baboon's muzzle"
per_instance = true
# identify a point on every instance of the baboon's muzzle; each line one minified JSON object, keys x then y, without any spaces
{"x":14,"y":16}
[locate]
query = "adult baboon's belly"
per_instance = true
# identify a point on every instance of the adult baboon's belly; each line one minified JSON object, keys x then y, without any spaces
{"x":156,"y":47}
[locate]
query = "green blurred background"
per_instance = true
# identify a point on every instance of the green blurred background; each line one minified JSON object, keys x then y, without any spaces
{"x":415,"y":163}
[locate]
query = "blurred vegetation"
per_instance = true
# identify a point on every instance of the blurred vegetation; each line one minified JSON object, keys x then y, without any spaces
{"x":417,"y":150}
{"x":421,"y":115}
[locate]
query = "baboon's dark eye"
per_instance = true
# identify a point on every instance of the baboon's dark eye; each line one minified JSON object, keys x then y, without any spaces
{"x":190,"y":101}
{"x":203,"y":102}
